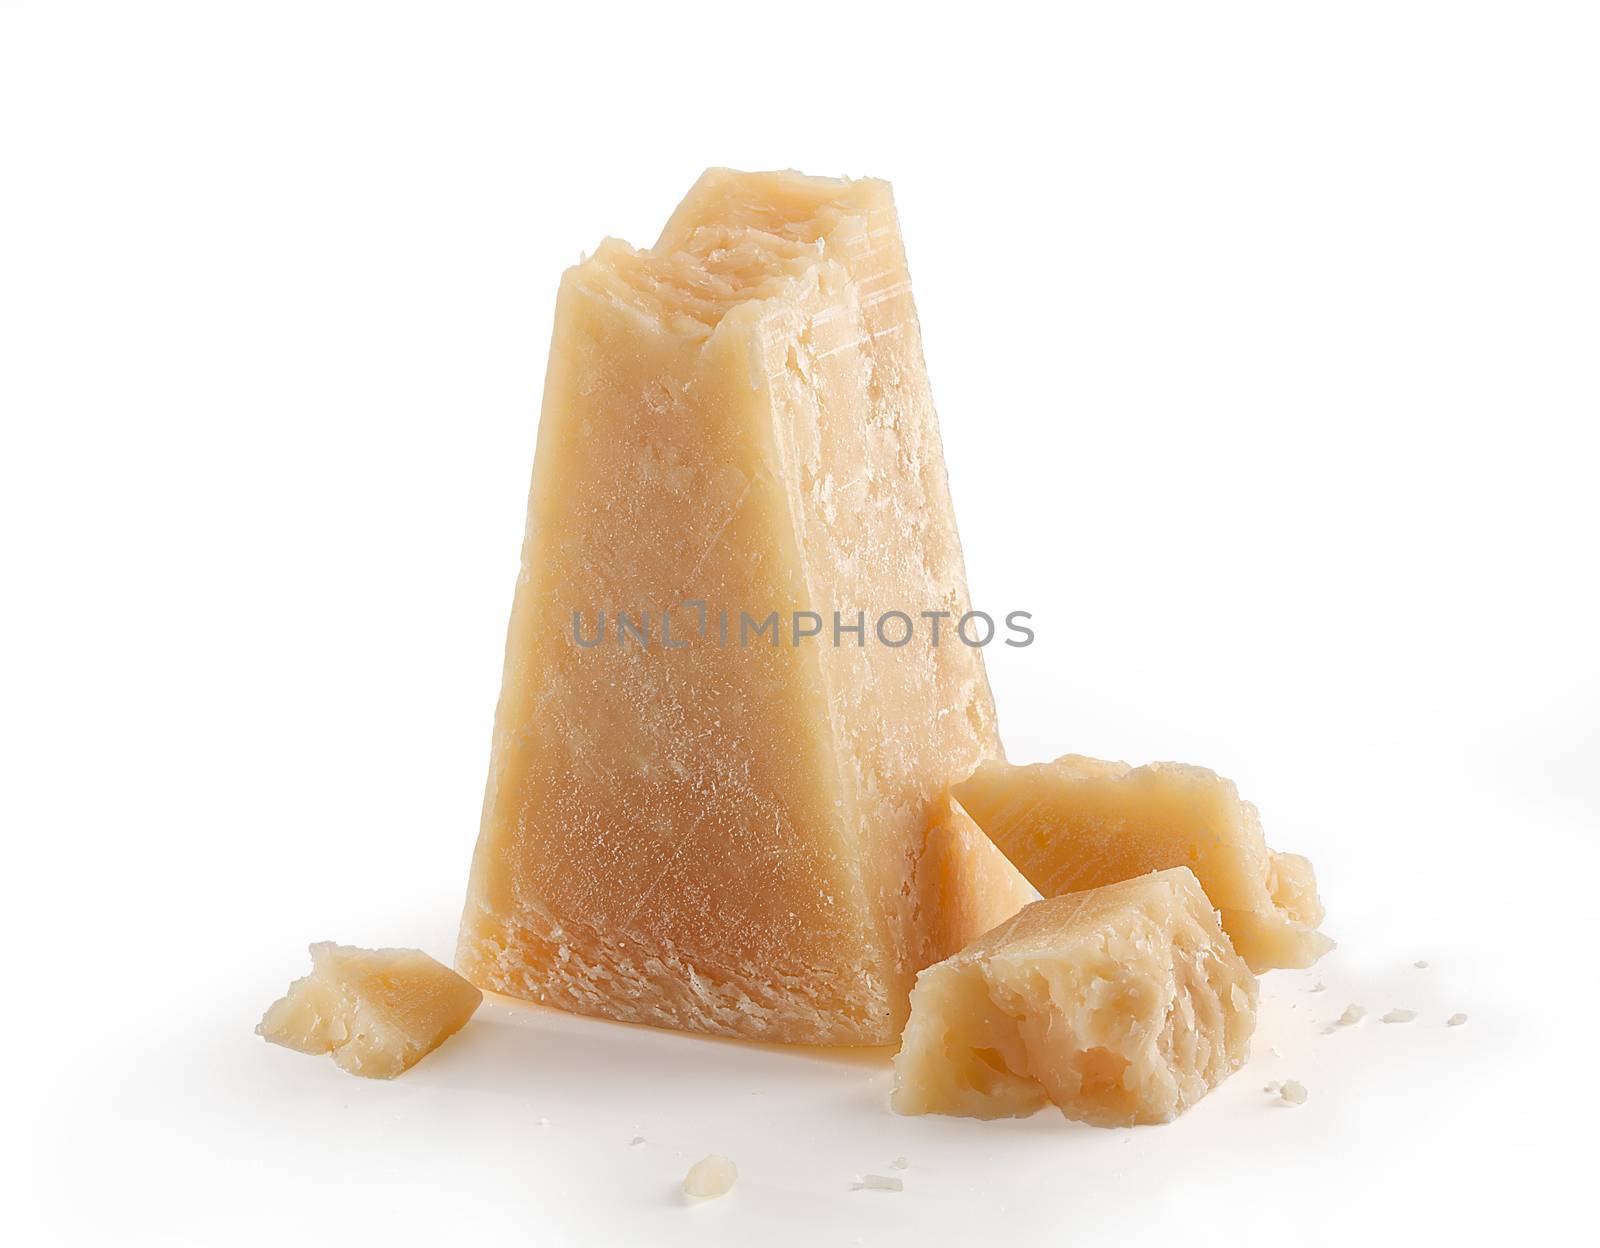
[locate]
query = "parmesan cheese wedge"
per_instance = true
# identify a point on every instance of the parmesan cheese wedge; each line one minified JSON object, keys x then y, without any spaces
{"x":715,"y":760}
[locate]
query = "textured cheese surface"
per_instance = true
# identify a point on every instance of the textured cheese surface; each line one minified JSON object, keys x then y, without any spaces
{"x":725,"y":837}
{"x":378,"y":1011}
{"x":1123,"y":1004}
{"x":1080,"y":822}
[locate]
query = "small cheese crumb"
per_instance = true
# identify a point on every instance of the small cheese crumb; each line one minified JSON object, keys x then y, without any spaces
{"x":1273,"y":1052}
{"x":710,"y":1177}
{"x":1352,"y":1015}
{"x":636,"y":1141}
{"x":1420,"y":965}
{"x":544,"y":1122}
{"x":1455,"y":1020}
{"x":1319,"y":986}
{"x":1293,"y":1092}
{"x":879,"y":1183}
{"x":900,"y":1163}
{"x":1399,"y":1016}
{"x":1272,"y":1088}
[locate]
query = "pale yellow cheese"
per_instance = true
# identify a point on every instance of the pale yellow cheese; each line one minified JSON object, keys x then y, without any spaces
{"x":1080,"y":822}
{"x":722,"y":832}
{"x":710,"y":1177}
{"x":965,"y":885}
{"x":1123,"y":1004}
{"x":1293,"y":1092}
{"x":378,"y":1011}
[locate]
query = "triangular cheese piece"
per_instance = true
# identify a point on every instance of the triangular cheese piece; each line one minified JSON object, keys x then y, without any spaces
{"x":717,"y":825}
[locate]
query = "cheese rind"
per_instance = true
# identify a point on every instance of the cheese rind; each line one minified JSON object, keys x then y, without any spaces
{"x":1123,"y":1004}
{"x":377,"y":1011}
{"x":1082,"y":822}
{"x":723,"y":834}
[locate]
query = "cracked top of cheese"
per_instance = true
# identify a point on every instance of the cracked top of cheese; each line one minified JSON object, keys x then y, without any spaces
{"x":739,"y":238}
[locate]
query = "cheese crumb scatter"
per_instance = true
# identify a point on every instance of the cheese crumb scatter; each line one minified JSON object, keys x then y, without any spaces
{"x":1399,"y":1016}
{"x":710,"y":1177}
{"x":1455,"y":1020}
{"x":1352,"y":1015}
{"x":900,"y":1163}
{"x":1293,"y":1093}
{"x":879,"y":1183}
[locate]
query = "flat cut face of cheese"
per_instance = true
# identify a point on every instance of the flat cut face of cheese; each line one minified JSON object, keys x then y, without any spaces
{"x":965,"y":885}
{"x":722,"y":833}
{"x":1121,"y":1005}
{"x":1081,"y":822}
{"x":377,"y":1011}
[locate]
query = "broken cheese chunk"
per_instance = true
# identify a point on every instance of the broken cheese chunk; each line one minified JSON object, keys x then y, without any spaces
{"x":378,"y":1011}
{"x":691,"y":821}
{"x":1123,"y":1004}
{"x":1079,"y":823}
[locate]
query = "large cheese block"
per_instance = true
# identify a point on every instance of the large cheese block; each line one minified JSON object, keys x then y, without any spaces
{"x":1081,"y":822}
{"x":1123,"y":1004}
{"x":706,"y":807}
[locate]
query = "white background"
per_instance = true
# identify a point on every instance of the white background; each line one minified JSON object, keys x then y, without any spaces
{"x":1265,"y":342}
